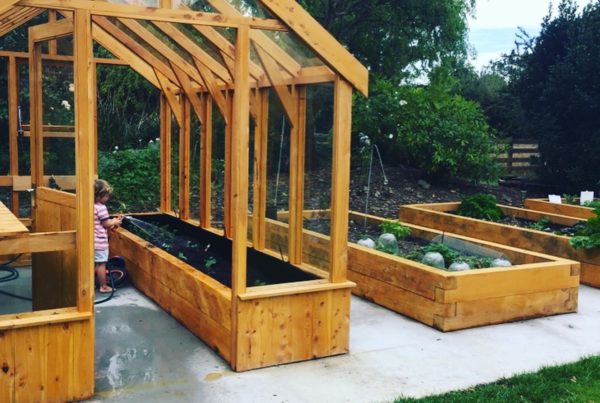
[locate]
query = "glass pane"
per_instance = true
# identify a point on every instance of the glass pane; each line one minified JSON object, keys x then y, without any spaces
{"x":278,"y":172}
{"x":15,"y":287}
{"x":218,"y":170}
{"x":317,"y":169}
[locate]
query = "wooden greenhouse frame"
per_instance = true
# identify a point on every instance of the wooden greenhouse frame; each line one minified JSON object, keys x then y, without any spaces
{"x":48,"y":354}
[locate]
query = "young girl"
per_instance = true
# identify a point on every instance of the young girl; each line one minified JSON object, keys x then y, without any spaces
{"x":102,"y":222}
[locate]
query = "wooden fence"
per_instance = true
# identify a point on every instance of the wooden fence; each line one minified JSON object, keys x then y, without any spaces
{"x":522,"y":158}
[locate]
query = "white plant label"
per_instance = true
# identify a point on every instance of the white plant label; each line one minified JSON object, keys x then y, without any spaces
{"x":586,"y":196}
{"x":554,"y":199}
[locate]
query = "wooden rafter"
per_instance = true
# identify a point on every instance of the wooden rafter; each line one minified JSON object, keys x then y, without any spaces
{"x":288,"y":63}
{"x":173,"y":57}
{"x":51,"y":30}
{"x":26,"y":14}
{"x":321,"y":41}
{"x":215,"y":91}
{"x":8,"y":4}
{"x":135,"y":47}
{"x":123,"y":52}
{"x":59,"y":58}
{"x":195,"y":51}
{"x":171,"y":97}
{"x":156,"y":14}
{"x":186,"y":86}
{"x":279,"y":84}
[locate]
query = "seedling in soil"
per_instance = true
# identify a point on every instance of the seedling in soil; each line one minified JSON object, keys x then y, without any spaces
{"x":541,"y":225}
{"x":182,"y":256}
{"x":210,"y":262}
{"x":588,"y":236}
{"x":259,"y":282}
{"x":481,"y":206}
{"x":394,"y":227}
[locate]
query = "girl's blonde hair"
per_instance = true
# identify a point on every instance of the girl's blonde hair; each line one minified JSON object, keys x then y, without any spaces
{"x":101,"y":188}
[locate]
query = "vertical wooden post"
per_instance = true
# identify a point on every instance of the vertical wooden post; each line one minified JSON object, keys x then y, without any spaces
{"x":85,"y":139}
{"x":239,"y":181}
{"x":184,"y":158}
{"x":342,"y":125}
{"x":36,"y":138}
{"x":296,"y":187}
{"x":260,"y":168}
{"x":228,"y":167}
{"x":13,"y":126}
{"x":52,"y":45}
{"x":165,"y":155}
{"x":206,"y":162}
{"x":85,"y":133}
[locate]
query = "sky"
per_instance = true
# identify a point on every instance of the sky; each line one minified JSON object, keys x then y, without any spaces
{"x":493,"y":28}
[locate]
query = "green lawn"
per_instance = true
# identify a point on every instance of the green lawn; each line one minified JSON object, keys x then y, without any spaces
{"x":578,"y":382}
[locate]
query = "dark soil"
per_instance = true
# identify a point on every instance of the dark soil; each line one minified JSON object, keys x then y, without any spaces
{"x":211,"y":253}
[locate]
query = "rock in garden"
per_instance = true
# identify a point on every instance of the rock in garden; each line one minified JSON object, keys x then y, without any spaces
{"x":501,"y":263}
{"x":367,"y":242}
{"x":388,"y":243}
{"x":459,"y":266}
{"x":423,"y":184}
{"x":434,"y":259}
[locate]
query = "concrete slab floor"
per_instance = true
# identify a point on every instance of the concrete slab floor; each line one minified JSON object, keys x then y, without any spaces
{"x":142,"y":354}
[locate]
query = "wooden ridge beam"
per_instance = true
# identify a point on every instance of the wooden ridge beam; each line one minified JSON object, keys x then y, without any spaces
{"x":156,"y":14}
{"x":321,"y":41}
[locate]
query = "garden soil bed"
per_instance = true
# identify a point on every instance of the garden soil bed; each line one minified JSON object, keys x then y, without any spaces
{"x":441,"y":217}
{"x":537,"y":284}
{"x":252,"y":329}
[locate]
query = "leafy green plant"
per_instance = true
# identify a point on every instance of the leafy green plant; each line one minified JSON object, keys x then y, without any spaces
{"x":480,"y":205}
{"x":210,"y":262}
{"x":588,"y":236}
{"x":592,"y":204}
{"x":259,"y":282}
{"x":568,"y":198}
{"x":182,"y":256}
{"x":541,"y":224}
{"x":394,"y":227}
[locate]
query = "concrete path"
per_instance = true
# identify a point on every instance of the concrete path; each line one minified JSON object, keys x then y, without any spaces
{"x":144,"y":355}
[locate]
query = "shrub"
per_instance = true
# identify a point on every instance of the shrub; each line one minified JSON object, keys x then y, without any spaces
{"x":588,"y":236}
{"x":433,"y":130}
{"x":135,"y":177}
{"x":480,"y":205}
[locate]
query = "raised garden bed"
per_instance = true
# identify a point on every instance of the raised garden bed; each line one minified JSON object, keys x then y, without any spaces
{"x":536,"y":285}
{"x":295,"y":316}
{"x":572,"y":210}
{"x":441,"y":217}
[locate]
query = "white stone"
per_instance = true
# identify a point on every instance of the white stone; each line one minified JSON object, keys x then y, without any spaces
{"x":501,"y":263}
{"x":367,"y":242}
{"x":459,"y":266}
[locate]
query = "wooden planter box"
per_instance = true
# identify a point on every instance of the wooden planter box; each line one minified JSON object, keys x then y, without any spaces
{"x":268,"y":325}
{"x":562,"y":209}
{"x":440,"y":216}
{"x":537,"y":285}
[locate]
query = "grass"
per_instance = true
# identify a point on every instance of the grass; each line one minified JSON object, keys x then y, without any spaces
{"x":577,"y":382}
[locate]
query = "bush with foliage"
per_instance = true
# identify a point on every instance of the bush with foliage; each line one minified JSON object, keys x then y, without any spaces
{"x":431,"y":129}
{"x":135,"y":177}
{"x":588,"y":236}
{"x":481,"y":206}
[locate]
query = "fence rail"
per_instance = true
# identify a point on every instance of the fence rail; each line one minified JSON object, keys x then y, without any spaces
{"x":521,"y":158}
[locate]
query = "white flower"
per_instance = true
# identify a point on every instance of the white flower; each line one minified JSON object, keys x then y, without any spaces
{"x":157,"y":139}
{"x":66,"y":105}
{"x":390,"y":136}
{"x":403,"y":102}
{"x":150,"y":142}
{"x":71,"y":87}
{"x":116,"y":148}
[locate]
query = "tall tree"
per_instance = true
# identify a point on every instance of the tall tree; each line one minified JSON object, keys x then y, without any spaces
{"x":396,"y":38}
{"x":558,"y":84}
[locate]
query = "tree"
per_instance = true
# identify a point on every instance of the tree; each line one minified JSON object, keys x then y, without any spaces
{"x":397,"y":38}
{"x":558,"y":85}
